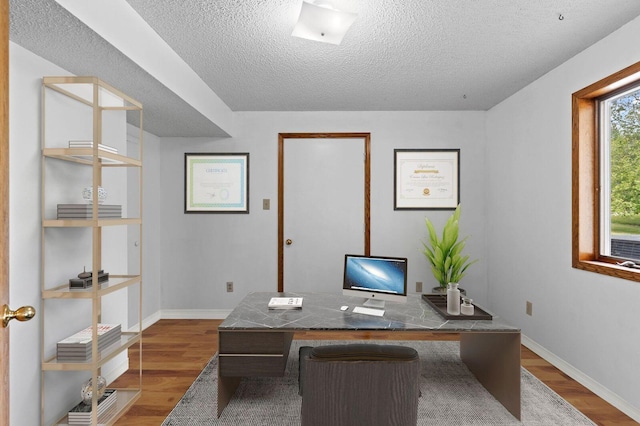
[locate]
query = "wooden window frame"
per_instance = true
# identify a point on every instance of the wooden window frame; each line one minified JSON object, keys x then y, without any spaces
{"x":586,"y":176}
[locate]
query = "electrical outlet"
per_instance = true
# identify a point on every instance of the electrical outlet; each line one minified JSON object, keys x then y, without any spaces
{"x":229,"y":286}
{"x":529,"y":309}
{"x":266,"y":204}
{"x":418,"y":287}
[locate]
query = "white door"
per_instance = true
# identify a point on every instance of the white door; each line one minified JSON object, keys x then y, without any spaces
{"x":133,"y":232}
{"x":324,"y":210}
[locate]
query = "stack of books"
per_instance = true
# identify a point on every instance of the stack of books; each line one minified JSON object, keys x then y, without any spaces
{"x":85,"y":211}
{"x":78,"y":346}
{"x":81,"y":413}
{"x":285,"y":303}
{"x":89,"y":144}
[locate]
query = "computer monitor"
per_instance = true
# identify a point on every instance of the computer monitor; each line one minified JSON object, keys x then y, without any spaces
{"x":375,"y":277}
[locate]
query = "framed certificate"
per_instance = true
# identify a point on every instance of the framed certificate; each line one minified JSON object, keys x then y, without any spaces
{"x":426,"y":179}
{"x":216,"y":183}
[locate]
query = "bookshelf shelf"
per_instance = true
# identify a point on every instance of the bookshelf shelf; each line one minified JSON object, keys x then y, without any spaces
{"x":126,"y":341}
{"x":115,"y":283}
{"x":78,"y":114}
{"x":126,"y":398}
{"x":88,"y":223}
{"x":86,"y":155}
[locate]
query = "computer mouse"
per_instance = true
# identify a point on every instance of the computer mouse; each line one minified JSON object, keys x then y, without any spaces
{"x":344,"y":308}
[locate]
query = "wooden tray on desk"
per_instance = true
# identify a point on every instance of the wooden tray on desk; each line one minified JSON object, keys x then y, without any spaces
{"x":439,"y":303}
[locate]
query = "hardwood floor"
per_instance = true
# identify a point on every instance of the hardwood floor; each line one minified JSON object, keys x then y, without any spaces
{"x":175,"y":351}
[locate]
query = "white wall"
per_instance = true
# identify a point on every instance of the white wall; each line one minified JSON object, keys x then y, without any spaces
{"x":201,"y":252}
{"x":25,"y":71}
{"x":515,"y":192}
{"x":585,"y":319}
{"x":62,"y":258}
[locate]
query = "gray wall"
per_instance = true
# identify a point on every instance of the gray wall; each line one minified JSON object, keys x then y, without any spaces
{"x":201,"y":252}
{"x":26,"y":71}
{"x":516,"y":197}
{"x":586,"y":320}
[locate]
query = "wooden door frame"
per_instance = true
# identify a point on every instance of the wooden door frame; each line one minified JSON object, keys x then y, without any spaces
{"x":367,"y":188}
{"x":4,"y":205}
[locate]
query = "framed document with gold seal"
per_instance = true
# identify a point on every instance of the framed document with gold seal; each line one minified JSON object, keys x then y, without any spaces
{"x":426,"y":179}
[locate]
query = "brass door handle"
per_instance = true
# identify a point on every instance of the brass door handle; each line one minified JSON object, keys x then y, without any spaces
{"x":24,"y":313}
{"x":288,"y":242}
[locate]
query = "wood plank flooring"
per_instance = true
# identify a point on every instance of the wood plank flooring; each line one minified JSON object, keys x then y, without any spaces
{"x":175,"y":351}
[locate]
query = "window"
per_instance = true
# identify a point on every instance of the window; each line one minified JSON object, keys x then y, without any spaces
{"x":606,"y":175}
{"x":619,"y":140}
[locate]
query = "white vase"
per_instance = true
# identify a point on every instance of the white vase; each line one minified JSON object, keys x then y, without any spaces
{"x":453,"y":299}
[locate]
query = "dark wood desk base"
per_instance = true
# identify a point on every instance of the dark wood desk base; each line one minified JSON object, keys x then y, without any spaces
{"x":493,"y":357}
{"x":249,"y":354}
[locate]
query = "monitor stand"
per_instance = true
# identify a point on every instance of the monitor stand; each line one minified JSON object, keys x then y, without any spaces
{"x":374,"y":303}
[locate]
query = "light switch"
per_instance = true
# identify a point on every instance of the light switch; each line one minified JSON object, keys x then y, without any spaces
{"x":266,"y":204}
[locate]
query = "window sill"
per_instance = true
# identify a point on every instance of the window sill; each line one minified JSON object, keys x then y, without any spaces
{"x":611,"y":269}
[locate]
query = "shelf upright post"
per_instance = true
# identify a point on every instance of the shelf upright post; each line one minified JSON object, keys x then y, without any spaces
{"x":42,"y":235}
{"x":96,"y":255}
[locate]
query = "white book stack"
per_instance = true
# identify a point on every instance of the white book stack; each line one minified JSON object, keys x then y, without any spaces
{"x":85,"y":211}
{"x":81,"y":413}
{"x":78,"y":346}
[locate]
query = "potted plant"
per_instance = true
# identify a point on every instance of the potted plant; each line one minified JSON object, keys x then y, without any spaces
{"x":448,"y":264}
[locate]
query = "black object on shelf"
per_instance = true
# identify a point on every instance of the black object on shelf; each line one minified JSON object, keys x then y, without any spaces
{"x":87,"y":282}
{"x":439,"y":303}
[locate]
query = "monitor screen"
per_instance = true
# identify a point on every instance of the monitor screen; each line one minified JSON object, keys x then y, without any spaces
{"x":375,"y":277}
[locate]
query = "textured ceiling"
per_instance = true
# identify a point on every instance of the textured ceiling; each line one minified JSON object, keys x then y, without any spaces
{"x":398,"y":55}
{"x":48,"y":30}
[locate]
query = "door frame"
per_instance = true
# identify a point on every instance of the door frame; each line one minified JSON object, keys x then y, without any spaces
{"x":367,"y":188}
{"x":4,"y":205}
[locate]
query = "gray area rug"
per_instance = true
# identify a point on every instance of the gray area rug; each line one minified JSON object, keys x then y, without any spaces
{"x":450,"y":395}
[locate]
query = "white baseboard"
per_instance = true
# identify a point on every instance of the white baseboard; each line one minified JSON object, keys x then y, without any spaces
{"x":147,"y":322}
{"x":195,"y":313}
{"x":116,"y":372}
{"x":586,"y":381}
{"x":181,"y":314}
{"x":121,"y":368}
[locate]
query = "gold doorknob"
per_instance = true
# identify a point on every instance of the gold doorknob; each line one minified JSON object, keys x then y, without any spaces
{"x":288,"y":242}
{"x":24,"y":313}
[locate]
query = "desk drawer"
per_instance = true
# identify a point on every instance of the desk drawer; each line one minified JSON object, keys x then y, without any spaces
{"x":253,"y":354}
{"x":251,"y":342}
{"x":252,"y":366}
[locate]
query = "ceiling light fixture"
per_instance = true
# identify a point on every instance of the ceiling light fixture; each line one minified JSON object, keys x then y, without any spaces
{"x":319,"y":21}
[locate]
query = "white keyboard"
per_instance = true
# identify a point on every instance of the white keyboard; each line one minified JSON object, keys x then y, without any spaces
{"x":368,"y":311}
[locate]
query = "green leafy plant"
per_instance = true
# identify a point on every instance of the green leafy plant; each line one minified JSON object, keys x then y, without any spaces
{"x":448,"y":264}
